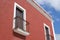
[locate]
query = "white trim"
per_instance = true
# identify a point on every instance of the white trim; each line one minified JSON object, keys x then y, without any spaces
{"x":45,"y":25}
{"x":21,"y":32}
{"x":40,"y":9}
{"x":24,"y":15}
{"x":18,"y":30}
{"x":53,"y":30}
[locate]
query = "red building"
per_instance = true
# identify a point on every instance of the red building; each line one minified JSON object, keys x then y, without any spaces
{"x":24,"y":20}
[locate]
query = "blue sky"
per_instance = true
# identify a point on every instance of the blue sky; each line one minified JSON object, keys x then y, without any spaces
{"x":53,"y":8}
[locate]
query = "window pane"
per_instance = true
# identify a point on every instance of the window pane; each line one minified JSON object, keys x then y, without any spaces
{"x":47,"y":33}
{"x":19,"y":17}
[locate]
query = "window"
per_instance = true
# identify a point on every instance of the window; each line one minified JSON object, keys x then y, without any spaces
{"x":19,"y":25}
{"x":47,"y":32}
{"x":19,"y":19}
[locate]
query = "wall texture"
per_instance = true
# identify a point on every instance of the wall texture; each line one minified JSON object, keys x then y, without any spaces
{"x":35,"y":19}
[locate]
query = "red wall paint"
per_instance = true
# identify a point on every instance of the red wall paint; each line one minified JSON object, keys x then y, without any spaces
{"x":34,"y":18}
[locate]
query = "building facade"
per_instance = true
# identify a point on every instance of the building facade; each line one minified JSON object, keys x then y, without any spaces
{"x":24,"y":20}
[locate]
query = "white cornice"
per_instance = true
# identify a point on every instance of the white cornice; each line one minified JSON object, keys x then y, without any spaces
{"x":40,"y":9}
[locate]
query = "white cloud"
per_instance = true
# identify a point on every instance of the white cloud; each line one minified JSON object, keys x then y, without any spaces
{"x":54,"y":3}
{"x":57,"y":36}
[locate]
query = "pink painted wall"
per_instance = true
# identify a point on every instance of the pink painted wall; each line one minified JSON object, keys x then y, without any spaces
{"x":34,"y":18}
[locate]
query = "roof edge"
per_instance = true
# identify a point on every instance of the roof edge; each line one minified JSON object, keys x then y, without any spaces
{"x":40,"y":9}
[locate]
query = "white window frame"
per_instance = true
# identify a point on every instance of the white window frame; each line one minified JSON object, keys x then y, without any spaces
{"x":53,"y":29}
{"x":45,"y":25}
{"x":18,"y":30}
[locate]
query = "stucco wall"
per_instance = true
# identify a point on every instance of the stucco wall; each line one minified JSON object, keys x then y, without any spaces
{"x":35,"y":19}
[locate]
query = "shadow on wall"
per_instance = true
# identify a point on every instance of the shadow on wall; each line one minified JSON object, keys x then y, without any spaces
{"x":19,"y":36}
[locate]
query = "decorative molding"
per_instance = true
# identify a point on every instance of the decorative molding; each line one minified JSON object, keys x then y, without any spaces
{"x":40,"y":9}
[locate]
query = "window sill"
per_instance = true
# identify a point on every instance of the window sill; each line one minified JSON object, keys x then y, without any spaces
{"x":19,"y":31}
